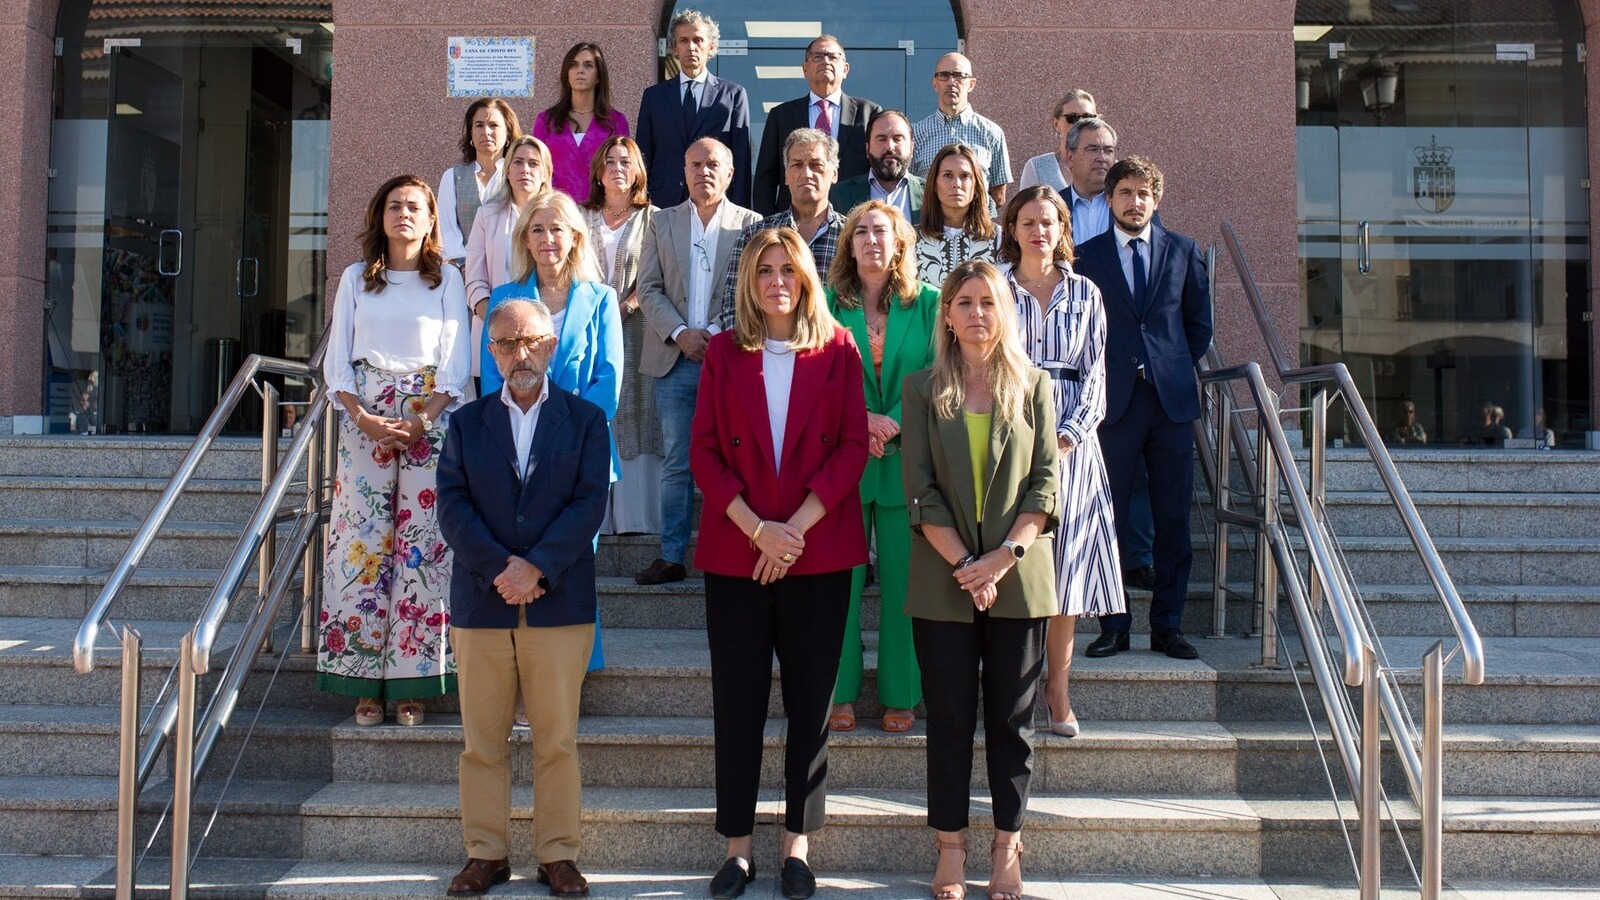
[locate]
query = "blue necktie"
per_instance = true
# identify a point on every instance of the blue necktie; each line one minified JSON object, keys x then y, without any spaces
{"x":690,"y":108}
{"x":1140,"y":287}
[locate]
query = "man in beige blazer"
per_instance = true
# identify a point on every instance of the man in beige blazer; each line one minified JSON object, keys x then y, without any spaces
{"x":680,"y":291}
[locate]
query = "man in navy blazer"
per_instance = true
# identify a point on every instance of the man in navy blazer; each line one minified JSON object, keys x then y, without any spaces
{"x":523,"y":480}
{"x":1158,"y":324}
{"x":826,"y":107}
{"x":696,"y":104}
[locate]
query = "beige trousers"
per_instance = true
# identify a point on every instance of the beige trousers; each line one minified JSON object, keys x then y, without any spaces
{"x":548,"y":665}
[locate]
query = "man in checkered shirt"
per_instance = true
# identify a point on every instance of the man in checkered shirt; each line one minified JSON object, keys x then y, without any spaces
{"x":955,"y":122}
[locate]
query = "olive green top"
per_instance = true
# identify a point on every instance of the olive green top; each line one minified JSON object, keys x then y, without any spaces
{"x":978,"y":446}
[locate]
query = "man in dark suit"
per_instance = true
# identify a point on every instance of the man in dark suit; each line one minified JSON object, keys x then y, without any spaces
{"x":523,"y":481}
{"x":889,"y":177}
{"x":696,"y":104}
{"x":1158,"y":324}
{"x":826,"y":108}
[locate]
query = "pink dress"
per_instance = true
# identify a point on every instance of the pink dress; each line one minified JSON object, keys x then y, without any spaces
{"x":571,"y":158}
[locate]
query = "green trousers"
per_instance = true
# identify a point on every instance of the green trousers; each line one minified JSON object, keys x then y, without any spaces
{"x":899,"y":679}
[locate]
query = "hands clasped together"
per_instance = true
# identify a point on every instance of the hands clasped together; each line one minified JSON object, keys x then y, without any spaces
{"x":980,"y":576}
{"x":519,"y":583}
{"x":780,"y":544}
{"x":392,"y":434}
{"x":880,"y":431}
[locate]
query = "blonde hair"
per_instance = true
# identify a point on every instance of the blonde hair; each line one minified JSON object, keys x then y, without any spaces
{"x":813,"y":325}
{"x":580,"y":263}
{"x":844,"y":279}
{"x":541,"y":154}
{"x":1009,"y":372}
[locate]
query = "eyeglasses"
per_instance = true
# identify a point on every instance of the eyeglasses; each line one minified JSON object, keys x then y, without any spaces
{"x":1097,"y":150}
{"x":701,"y":257}
{"x":510,"y":346}
{"x":1075,"y":118}
{"x":951,"y":76}
{"x":817,"y":57}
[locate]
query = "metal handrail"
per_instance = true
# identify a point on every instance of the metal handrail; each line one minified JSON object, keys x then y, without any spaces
{"x":83,"y":644}
{"x":1471,"y":644}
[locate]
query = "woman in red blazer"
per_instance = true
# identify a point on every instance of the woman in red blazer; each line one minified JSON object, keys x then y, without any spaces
{"x":778,"y":446}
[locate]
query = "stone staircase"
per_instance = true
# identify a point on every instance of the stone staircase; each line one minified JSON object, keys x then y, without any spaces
{"x":1192,"y":779}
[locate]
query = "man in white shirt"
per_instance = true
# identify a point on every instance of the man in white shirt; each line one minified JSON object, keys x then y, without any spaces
{"x":696,"y":104}
{"x":826,"y":108}
{"x":680,"y":292}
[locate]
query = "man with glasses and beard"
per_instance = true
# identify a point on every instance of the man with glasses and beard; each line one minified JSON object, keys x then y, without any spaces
{"x":523,"y":481}
{"x":889,"y":150}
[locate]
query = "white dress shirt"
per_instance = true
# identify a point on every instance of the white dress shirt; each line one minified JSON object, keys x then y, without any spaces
{"x":835,"y":103}
{"x":524,"y":424}
{"x":703,"y":237}
{"x":699,"y":89}
{"x":1125,"y":253}
{"x":899,"y":198}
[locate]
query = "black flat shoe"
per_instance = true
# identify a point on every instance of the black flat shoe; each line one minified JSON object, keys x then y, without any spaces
{"x":1172,"y":643}
{"x":796,"y":879}
{"x":1109,"y":643}
{"x":730,"y":880}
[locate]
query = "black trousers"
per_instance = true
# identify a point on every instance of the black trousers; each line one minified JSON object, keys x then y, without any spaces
{"x":801,"y":617}
{"x":1005,"y":656}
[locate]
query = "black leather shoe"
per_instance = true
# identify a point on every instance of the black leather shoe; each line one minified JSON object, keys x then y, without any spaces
{"x":1172,"y":643}
{"x":1141,"y":577}
{"x":796,"y":879}
{"x":1109,"y":643}
{"x":661,"y":572}
{"x":730,"y":880}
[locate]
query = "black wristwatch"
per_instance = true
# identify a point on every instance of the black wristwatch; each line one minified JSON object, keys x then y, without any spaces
{"x":964,"y":561}
{"x":1016,"y":549}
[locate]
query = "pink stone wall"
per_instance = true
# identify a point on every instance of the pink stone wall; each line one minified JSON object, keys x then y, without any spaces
{"x":29,"y":32}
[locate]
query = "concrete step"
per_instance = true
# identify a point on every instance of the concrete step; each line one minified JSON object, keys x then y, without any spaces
{"x":249,"y":879}
{"x":60,"y":542}
{"x":1455,"y":470}
{"x":68,"y":591}
{"x":124,"y":457}
{"x":1470,"y":514}
{"x":1559,"y":611}
{"x":126,"y":498}
{"x":1477,"y":560}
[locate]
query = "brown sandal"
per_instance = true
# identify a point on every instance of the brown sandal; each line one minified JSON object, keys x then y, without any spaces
{"x":955,"y":890}
{"x":1011,"y":891}
{"x":899,"y":722}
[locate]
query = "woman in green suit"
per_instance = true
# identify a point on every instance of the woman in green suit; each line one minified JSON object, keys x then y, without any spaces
{"x":873,"y":291}
{"x":980,"y":476}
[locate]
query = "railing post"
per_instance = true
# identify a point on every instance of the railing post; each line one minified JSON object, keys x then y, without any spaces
{"x":1433,"y":771}
{"x":1267,"y":464}
{"x":183,"y":770}
{"x":313,"y":553}
{"x":128,"y":760}
{"x":269,"y":471}
{"x":1370,"y":802}
{"x":1219,"y":577}
{"x":1319,"y":485}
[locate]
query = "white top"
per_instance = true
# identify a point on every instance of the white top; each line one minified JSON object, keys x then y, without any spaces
{"x":777,"y":372}
{"x":1124,"y":240}
{"x":524,"y":424}
{"x":899,"y":198}
{"x":556,"y":318}
{"x":1043,"y":169}
{"x":577,"y":136}
{"x":703,"y":239}
{"x":835,"y":102}
{"x":609,"y":238}
{"x":451,"y":241}
{"x":406,"y":327}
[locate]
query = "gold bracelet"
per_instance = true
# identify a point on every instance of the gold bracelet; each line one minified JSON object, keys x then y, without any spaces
{"x":757,"y":533}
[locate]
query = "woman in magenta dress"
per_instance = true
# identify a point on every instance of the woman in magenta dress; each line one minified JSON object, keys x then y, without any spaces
{"x":580,"y":121}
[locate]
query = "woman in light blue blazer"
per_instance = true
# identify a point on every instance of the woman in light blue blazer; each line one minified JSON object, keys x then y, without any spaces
{"x":555,"y":265}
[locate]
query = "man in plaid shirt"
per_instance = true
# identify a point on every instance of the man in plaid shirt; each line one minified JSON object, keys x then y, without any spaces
{"x":955,"y":122}
{"x":810,"y":168}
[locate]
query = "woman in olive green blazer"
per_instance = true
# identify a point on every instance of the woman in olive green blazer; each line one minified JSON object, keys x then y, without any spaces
{"x":980,"y":456}
{"x":873,"y":291}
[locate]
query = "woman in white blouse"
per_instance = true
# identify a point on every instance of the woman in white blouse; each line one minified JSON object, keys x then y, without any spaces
{"x":489,"y":124}
{"x":955,"y":225}
{"x":618,"y":214}
{"x":398,"y":361}
{"x":526,"y":171}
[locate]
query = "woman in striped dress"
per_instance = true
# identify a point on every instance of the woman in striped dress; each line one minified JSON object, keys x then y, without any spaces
{"x":1063,"y":327}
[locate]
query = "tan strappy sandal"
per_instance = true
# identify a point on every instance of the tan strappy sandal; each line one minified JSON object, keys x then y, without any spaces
{"x":953,"y":890}
{"x":1011,"y":889}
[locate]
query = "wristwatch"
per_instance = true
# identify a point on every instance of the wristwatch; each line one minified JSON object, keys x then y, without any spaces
{"x":1016,"y":549}
{"x":427,"y":423}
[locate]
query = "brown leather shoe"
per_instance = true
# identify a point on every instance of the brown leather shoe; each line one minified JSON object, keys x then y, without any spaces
{"x":661,"y":572}
{"x":564,"y":879}
{"x":478,"y":876}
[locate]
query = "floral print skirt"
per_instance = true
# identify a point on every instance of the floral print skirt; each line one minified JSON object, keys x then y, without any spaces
{"x":383,"y":628}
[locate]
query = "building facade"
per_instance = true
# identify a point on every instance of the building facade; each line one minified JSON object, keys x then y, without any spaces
{"x":1410,"y":178}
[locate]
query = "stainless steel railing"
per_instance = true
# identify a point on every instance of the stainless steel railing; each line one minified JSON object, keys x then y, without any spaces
{"x":1279,"y":499}
{"x":196,"y":736}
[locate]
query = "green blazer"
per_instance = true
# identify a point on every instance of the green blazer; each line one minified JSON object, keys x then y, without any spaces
{"x":1021,"y":477}
{"x":907,"y":347}
{"x":851,"y":192}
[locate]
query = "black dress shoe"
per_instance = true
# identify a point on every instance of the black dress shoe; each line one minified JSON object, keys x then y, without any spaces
{"x":1172,"y":643}
{"x":661,"y":572}
{"x":1141,"y":577}
{"x":796,"y":879}
{"x":1109,"y":643}
{"x":730,"y":880}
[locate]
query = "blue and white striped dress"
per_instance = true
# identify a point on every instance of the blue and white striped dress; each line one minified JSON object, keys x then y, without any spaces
{"x":1068,"y":336}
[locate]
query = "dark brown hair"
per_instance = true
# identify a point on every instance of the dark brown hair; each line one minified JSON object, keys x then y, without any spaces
{"x":1010,"y":250}
{"x":976,"y":222}
{"x":1135,"y":167}
{"x":639,"y":196}
{"x":556,"y":116}
{"x":375,"y":243}
{"x":469,"y":153}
